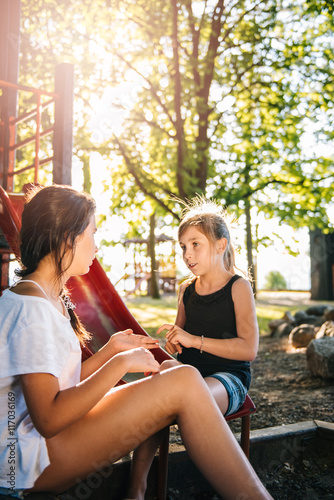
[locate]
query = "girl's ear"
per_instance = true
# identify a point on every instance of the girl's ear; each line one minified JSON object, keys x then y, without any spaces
{"x":221,"y":245}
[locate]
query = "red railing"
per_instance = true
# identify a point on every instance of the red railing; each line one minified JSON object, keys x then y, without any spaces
{"x":13,"y":122}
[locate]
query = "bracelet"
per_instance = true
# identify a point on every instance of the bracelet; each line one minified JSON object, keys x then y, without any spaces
{"x":201,"y":349}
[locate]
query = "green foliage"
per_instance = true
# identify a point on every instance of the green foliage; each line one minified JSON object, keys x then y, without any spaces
{"x":275,"y":281}
{"x":321,"y":7}
{"x":225,"y":98}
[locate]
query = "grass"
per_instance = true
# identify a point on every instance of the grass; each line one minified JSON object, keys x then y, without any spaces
{"x":265,"y":314}
{"x":152,"y":313}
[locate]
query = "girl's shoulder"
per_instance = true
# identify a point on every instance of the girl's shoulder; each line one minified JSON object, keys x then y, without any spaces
{"x":185,"y":287}
{"x":27,"y":289}
{"x":240,"y":285}
{"x":29,"y":308}
{"x":186,"y":283}
{"x":18,"y":297}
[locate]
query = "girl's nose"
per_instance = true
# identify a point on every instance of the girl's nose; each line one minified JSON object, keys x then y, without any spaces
{"x":187,"y":254}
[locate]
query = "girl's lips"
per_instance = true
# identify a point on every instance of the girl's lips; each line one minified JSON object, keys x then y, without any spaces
{"x":192,"y":265}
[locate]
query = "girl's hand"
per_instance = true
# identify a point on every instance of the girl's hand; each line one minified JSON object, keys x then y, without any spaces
{"x":178,"y":337}
{"x":125,"y":340}
{"x":172,"y":349}
{"x":140,"y":360}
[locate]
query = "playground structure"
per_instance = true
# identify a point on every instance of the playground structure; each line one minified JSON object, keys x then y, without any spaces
{"x":139,"y":271}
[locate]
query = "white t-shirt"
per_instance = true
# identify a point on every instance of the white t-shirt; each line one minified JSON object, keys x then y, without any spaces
{"x":34,"y":338}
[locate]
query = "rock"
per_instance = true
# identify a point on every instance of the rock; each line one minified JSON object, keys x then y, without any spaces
{"x":282,"y":327}
{"x":329,"y":314}
{"x":274,"y":323}
{"x":326,"y":330}
{"x":288,"y":318}
{"x":302,"y":335}
{"x":316,"y":310}
{"x":283,"y":330}
{"x":301,"y":318}
{"x":320,"y":357}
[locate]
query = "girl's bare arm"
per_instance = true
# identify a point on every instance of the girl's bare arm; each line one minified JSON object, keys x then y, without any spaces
{"x":119,"y":342}
{"x":52,"y":409}
{"x":244,"y":347}
{"x":181,"y":313}
{"x":179,"y":321}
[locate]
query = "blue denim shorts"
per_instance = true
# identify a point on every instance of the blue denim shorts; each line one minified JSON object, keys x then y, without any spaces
{"x":235,"y":389}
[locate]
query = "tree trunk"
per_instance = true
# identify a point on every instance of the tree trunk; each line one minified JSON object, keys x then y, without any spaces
{"x":203,"y":107}
{"x":154,"y":272}
{"x":177,"y":104}
{"x":249,"y":245}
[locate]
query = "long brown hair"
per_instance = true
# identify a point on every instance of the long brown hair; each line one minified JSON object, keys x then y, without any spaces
{"x":52,"y":216}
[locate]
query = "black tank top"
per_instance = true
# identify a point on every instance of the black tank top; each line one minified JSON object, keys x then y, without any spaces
{"x":212,"y":316}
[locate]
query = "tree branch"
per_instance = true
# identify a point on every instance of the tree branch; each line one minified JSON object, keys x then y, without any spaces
{"x":195,"y":39}
{"x":154,"y":92}
{"x":141,"y":118}
{"x":263,"y":185}
{"x":140,"y":183}
{"x":211,"y":54}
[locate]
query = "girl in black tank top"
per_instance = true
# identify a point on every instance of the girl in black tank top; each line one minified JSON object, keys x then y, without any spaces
{"x":216,"y":328}
{"x":213,"y":313}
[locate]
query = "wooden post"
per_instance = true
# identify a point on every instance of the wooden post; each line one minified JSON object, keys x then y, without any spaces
{"x":154,"y":289}
{"x":63,"y":133}
{"x":10,"y":17}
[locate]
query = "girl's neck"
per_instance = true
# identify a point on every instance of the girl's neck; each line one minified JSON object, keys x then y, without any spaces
{"x":212,"y":282}
{"x":47,"y":279}
{"x":44,"y":288}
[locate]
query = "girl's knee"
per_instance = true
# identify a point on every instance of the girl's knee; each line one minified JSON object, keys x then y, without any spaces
{"x":188,"y":375}
{"x":169,"y":363}
{"x":183,"y":381}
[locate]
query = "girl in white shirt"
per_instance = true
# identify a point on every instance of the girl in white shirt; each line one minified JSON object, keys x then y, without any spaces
{"x":56,"y":402}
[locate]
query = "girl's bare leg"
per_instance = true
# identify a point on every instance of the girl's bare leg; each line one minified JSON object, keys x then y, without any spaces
{"x":219,"y":393}
{"x":141,"y":463}
{"x":143,"y":455}
{"x":113,"y":428}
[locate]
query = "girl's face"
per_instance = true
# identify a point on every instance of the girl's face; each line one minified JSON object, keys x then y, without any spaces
{"x":198,"y":253}
{"x":85,"y":250}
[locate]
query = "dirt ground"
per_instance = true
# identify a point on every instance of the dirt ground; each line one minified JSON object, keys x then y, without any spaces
{"x":283,"y":390}
{"x":285,"y":393}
